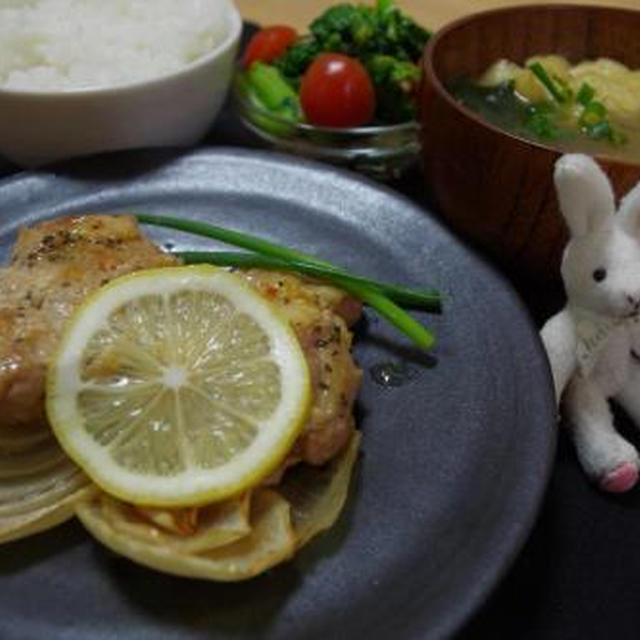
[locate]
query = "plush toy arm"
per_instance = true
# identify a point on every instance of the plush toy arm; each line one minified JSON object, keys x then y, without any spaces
{"x":559,"y":339}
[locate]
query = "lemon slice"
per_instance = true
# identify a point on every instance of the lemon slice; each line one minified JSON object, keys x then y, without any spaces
{"x":177,"y":387}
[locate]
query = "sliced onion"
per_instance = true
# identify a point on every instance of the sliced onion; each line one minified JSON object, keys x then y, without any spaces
{"x":270,"y":541}
{"x":20,"y":487}
{"x":308,"y":501}
{"x":317,"y":494}
{"x":37,"y":459}
{"x":24,"y":524}
{"x":39,"y":485}
{"x":16,"y":439}
{"x":36,"y":492}
{"x":218,"y":524}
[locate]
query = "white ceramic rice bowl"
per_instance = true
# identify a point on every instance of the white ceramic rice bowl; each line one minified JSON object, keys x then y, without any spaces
{"x":175,"y":109}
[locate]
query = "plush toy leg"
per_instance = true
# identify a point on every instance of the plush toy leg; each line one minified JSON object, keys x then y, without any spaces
{"x":629,"y":395}
{"x":606,"y":457}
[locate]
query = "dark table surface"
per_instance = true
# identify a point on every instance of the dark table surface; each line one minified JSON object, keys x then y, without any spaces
{"x":577,"y":576}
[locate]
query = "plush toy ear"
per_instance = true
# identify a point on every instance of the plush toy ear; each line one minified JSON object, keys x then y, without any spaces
{"x":584,"y":193}
{"x":629,"y":211}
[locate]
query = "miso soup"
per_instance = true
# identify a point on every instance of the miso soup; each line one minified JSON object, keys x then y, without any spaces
{"x":592,"y":107}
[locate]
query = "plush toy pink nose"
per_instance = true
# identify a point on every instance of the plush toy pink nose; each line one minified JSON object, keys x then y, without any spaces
{"x":621,"y":479}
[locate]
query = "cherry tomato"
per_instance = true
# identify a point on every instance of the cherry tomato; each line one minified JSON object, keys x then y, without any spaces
{"x":336,"y":91}
{"x":268,"y":44}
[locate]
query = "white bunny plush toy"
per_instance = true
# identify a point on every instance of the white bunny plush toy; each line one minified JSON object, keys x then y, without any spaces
{"x":593,"y":344}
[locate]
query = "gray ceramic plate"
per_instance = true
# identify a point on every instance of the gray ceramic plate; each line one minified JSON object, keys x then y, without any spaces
{"x":455,"y":459}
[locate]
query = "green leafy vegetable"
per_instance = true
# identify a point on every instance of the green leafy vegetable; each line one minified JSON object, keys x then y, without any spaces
{"x":296,"y":59}
{"x":266,"y":85}
{"x":551,"y":120}
{"x":594,"y":119}
{"x":395,"y":83}
{"x":585,"y":94}
{"x":559,"y":92}
{"x":502,"y":106}
{"x":345,"y":28}
{"x":397,"y":34}
{"x":541,"y":121}
{"x":412,"y":298}
{"x":361,"y":31}
{"x":388,"y":43}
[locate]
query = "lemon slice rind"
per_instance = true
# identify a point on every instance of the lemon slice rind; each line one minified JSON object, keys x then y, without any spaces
{"x":192,"y":486}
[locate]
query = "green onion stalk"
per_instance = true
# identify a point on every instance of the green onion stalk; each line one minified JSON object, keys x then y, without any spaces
{"x":269,"y":255}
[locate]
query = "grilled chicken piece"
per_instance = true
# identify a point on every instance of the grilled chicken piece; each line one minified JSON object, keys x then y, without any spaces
{"x":54,"y":265}
{"x":321,"y":316}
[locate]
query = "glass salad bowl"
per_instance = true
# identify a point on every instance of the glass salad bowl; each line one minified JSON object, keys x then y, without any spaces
{"x":383,"y":152}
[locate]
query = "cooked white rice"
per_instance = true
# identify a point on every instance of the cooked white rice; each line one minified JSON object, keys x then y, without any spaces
{"x":70,"y":44}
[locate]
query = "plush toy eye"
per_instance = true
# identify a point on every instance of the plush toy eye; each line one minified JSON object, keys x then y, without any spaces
{"x":599,"y":274}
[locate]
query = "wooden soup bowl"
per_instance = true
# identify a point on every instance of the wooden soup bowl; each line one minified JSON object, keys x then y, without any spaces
{"x":494,"y":188}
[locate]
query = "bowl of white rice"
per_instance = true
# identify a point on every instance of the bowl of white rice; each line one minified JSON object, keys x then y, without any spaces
{"x":79,"y":77}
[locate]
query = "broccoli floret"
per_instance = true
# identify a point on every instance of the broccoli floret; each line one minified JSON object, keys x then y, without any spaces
{"x":359,"y":30}
{"x":396,"y":34}
{"x":395,"y":82}
{"x":295,"y":60}
{"x":344,"y":28}
{"x":403,"y":38}
{"x":385,"y":40}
